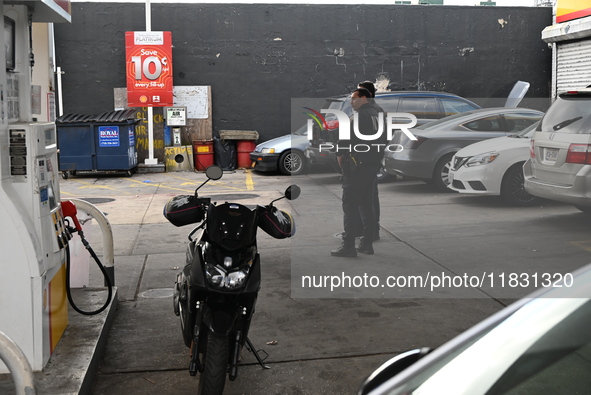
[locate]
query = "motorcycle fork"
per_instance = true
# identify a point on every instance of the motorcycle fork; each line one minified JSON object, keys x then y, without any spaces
{"x":195,"y":364}
{"x":233,"y":373}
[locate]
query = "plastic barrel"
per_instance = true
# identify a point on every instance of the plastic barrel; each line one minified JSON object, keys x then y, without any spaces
{"x":203,"y":154}
{"x":244,"y":148}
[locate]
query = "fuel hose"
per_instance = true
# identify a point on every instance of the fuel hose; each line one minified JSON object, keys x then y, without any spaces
{"x":101,"y":267}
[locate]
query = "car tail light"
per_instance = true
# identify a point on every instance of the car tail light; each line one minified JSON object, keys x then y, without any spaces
{"x":579,"y":153}
{"x":414,"y":144}
{"x":331,"y":125}
{"x":532,"y":150}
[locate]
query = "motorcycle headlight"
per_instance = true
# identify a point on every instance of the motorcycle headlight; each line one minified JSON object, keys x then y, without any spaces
{"x":214,"y":274}
{"x":236,"y":279}
{"x":483,"y":159}
{"x":218,"y":277}
{"x":225,"y":271}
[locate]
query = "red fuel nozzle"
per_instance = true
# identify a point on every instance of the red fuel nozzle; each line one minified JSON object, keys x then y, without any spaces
{"x":69,"y":210}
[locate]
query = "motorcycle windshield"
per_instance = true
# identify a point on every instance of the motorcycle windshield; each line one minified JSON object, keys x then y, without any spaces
{"x":231,"y":226}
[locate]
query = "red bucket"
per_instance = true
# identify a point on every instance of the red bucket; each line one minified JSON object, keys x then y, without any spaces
{"x":203,"y":154}
{"x":244,"y":148}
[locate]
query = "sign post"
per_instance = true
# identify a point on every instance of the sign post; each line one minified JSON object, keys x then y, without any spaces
{"x":149,"y":73}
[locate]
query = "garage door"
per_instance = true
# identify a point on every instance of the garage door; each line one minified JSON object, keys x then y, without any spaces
{"x":573,"y":68}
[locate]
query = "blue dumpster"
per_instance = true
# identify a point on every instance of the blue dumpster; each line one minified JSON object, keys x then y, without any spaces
{"x":105,"y":142}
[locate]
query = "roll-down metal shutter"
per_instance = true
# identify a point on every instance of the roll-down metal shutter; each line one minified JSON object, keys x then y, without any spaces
{"x":573,"y":68}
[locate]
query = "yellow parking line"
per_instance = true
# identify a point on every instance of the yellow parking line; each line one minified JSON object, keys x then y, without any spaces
{"x":86,"y":185}
{"x":584,"y":245}
{"x":160,"y":185}
{"x":249,"y":182}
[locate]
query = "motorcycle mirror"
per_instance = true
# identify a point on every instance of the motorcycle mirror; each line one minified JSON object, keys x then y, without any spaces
{"x":292,"y":192}
{"x":214,"y":172}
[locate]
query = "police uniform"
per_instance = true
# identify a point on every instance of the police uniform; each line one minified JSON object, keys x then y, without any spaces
{"x":361,"y":161}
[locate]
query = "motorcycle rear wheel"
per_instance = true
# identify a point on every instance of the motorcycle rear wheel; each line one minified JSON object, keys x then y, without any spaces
{"x":215,"y":365}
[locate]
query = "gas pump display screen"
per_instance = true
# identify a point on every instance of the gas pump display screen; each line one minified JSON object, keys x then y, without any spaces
{"x":51,"y":196}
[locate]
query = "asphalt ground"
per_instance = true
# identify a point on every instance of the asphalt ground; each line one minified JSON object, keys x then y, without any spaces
{"x":326,"y":323}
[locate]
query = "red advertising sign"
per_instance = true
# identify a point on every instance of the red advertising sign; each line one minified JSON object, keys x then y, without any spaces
{"x":149,"y":69}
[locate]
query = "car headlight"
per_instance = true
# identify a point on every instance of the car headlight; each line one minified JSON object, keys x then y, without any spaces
{"x":268,"y":150}
{"x":483,"y":159}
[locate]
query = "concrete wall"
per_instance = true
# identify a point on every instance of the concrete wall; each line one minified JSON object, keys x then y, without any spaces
{"x":258,"y":57}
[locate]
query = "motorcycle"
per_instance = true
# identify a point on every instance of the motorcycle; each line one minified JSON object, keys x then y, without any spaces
{"x":216,"y":291}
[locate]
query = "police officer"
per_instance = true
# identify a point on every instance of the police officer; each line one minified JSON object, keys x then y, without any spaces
{"x":376,"y":198}
{"x":360,"y":161}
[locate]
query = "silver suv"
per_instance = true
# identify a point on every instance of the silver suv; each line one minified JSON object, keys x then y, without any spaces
{"x":559,"y":167}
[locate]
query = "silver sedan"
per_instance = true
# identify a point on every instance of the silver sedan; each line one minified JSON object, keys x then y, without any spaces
{"x":429,"y":156}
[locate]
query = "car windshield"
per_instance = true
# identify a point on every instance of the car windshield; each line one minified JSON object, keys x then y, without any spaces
{"x":544,"y":347}
{"x":301,"y":131}
{"x":569,"y":114}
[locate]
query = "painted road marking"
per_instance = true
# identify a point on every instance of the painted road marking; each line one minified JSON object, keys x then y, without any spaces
{"x":242,"y":185}
{"x":584,"y":245}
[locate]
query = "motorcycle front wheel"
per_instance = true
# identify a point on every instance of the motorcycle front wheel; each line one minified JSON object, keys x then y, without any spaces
{"x":215,"y":365}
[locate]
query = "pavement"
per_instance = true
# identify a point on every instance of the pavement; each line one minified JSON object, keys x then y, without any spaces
{"x":320,"y":337}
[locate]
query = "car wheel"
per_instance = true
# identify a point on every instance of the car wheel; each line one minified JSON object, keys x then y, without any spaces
{"x":383,"y":176}
{"x":512,"y":190}
{"x":441,"y":173}
{"x":292,"y":163}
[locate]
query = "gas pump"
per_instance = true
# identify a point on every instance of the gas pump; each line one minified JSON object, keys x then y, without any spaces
{"x":33,"y":237}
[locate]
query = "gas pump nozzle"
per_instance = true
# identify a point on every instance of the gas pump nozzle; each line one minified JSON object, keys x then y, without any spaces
{"x":69,"y":210}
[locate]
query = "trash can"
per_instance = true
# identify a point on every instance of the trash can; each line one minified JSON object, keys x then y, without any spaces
{"x":105,"y":142}
{"x":202,"y":154}
{"x":245,"y":144}
{"x":224,"y":153}
{"x":245,"y":147}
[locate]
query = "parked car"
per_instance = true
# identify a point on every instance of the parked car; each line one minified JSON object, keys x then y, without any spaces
{"x":425,"y":105}
{"x":559,"y":167}
{"x":541,"y":344}
{"x":429,"y":157}
{"x":285,"y":153}
{"x":494,"y":168}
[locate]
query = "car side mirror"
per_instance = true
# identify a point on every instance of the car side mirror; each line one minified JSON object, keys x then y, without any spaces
{"x":391,"y":368}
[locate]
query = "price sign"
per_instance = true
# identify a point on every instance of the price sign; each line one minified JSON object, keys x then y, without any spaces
{"x":149,"y":69}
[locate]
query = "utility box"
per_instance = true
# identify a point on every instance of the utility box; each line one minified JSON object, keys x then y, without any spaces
{"x":105,"y":142}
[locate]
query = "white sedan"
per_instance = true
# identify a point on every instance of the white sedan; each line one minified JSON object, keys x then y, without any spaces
{"x":494,"y":167}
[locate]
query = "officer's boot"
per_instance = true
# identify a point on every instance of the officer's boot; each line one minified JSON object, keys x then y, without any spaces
{"x":365,"y":246}
{"x":347,"y":249}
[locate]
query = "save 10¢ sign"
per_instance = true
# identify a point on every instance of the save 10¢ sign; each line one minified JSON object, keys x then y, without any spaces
{"x":149,"y":69}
